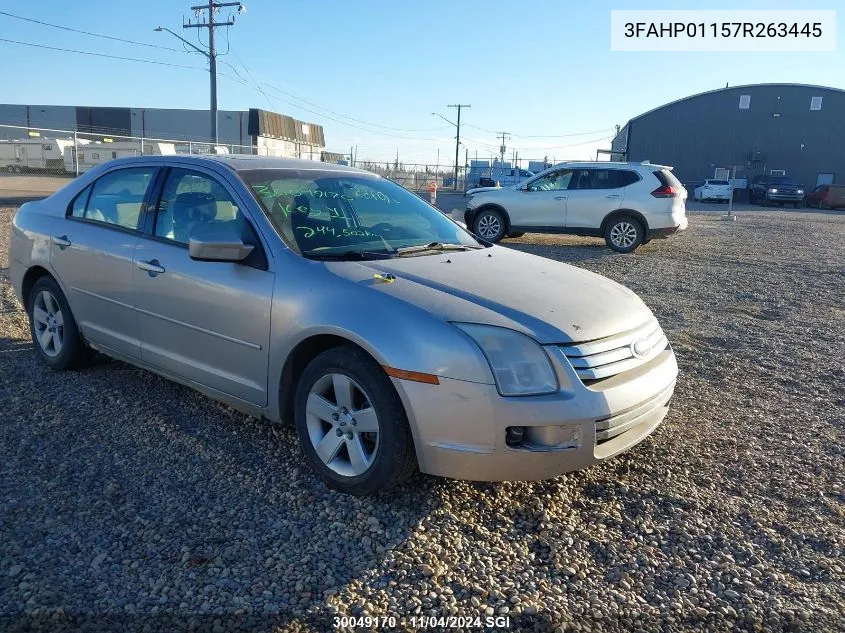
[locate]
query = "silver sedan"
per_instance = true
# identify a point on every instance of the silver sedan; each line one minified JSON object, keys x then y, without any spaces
{"x":389,"y":335}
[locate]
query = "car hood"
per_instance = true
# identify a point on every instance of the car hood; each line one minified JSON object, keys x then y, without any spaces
{"x":548,"y":300}
{"x":475,"y":190}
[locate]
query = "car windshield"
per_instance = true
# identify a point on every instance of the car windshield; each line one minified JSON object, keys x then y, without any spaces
{"x":781,"y":180}
{"x":718,"y":182}
{"x":333,"y":213}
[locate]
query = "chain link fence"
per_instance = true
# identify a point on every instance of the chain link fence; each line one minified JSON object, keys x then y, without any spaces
{"x":35,"y":162}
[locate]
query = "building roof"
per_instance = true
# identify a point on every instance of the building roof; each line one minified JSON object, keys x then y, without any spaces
{"x":730,"y":88}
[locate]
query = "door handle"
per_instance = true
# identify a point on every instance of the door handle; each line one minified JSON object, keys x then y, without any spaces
{"x":152,"y":267}
{"x":612,"y":195}
{"x":560,"y":197}
{"x":61,"y":241}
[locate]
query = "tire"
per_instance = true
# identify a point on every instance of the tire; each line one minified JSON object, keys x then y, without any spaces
{"x":515,"y":235}
{"x":796,"y":205}
{"x":52,"y":327}
{"x":385,"y":456}
{"x":489,"y":224}
{"x":623,"y":234}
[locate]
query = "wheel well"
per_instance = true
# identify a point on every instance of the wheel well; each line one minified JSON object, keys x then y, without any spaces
{"x":30,"y":278}
{"x":622,"y":213}
{"x":297,"y":360}
{"x":495,"y":207}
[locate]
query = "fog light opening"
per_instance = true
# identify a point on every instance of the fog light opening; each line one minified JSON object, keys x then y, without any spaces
{"x":514,"y":435}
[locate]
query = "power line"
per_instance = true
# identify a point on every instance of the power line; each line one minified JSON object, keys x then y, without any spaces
{"x":270,"y":84}
{"x":128,"y":59}
{"x":107,"y":37}
{"x":341,"y":122}
{"x":540,"y":135}
{"x":587,"y":142}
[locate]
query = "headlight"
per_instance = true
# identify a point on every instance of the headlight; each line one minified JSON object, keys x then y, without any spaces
{"x":519,"y":364}
{"x":773,"y":190}
{"x":800,"y":191}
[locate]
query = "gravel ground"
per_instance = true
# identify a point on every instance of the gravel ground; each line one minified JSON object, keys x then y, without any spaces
{"x":131,"y":503}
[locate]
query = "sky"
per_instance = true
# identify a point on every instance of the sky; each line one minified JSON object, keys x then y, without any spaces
{"x":372,"y":72}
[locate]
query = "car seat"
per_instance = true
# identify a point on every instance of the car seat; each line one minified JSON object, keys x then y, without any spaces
{"x":190,"y":209}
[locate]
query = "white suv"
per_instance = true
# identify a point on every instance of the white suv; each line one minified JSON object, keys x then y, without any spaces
{"x":626,"y":203}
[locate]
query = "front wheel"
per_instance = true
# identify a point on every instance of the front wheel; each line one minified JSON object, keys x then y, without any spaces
{"x":53,"y":328}
{"x":624,"y":234}
{"x":351,"y":423}
{"x":489,"y":224}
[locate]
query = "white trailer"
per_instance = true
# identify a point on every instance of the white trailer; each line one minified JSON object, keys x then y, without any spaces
{"x":34,"y":154}
{"x":94,"y":154}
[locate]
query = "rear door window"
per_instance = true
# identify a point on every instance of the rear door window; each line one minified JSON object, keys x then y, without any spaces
{"x":603,"y":178}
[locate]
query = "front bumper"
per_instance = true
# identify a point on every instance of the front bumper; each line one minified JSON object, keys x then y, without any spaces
{"x":460,"y":427}
{"x":785,"y":197}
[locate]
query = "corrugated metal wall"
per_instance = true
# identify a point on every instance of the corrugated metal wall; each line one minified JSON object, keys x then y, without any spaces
{"x":274,"y":125}
{"x":778,"y":130}
{"x":234,"y":126}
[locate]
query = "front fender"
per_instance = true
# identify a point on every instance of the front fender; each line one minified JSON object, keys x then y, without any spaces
{"x":313,"y":302}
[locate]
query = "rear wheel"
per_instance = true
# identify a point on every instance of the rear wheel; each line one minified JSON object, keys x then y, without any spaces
{"x":53,"y":328}
{"x":351,"y":423}
{"x":624,"y":234}
{"x":489,"y":224}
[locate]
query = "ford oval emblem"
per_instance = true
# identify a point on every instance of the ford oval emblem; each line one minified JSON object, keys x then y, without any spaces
{"x":641,"y":348}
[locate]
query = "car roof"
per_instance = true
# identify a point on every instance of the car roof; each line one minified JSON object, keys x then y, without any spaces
{"x":606,"y":164}
{"x":243,"y":162}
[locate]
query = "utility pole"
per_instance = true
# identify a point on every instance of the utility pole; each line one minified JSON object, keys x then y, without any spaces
{"x":502,"y":149}
{"x":458,"y":137}
{"x":211,"y":53}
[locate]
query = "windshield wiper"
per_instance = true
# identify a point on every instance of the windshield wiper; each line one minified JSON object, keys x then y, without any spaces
{"x":347,"y":255}
{"x":435,"y":246}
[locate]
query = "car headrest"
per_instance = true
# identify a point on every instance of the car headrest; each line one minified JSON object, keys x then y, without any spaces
{"x":194,"y":206}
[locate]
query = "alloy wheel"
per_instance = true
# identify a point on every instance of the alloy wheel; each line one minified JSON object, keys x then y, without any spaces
{"x":49,"y":323}
{"x":342,"y":425}
{"x":623,"y":234}
{"x":489,"y":226}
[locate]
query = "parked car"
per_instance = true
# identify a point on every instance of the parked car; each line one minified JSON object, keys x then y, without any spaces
{"x":827,"y":197}
{"x":626,"y":203}
{"x":719,"y":190}
{"x":332,"y":297}
{"x":778,"y":190}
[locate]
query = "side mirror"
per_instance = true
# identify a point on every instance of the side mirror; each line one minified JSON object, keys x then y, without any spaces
{"x":208,"y":247}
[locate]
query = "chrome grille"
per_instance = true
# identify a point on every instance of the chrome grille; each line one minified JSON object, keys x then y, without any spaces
{"x":606,"y":357}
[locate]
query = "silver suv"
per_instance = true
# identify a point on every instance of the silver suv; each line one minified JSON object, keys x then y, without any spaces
{"x":626,"y":203}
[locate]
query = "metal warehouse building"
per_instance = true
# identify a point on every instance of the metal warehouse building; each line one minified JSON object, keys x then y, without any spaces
{"x":790,"y":129}
{"x":269,"y":132}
